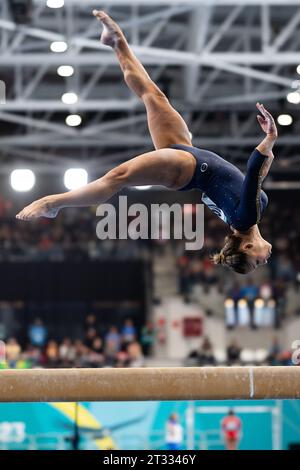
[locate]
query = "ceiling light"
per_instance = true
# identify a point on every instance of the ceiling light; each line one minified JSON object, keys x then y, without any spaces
{"x":75,"y":178}
{"x":73,"y":120}
{"x":65,"y":71}
{"x":285,"y":120}
{"x":22,"y":180}
{"x":58,"y":46}
{"x":55,"y":3}
{"x":69,"y":98}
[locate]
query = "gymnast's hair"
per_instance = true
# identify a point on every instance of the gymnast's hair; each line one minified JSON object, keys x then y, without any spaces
{"x":232,"y":257}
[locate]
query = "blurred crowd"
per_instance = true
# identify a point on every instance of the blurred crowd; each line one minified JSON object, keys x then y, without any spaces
{"x":72,"y":235}
{"x":120,"y":346}
{"x":123,"y":345}
{"x":235,"y":354}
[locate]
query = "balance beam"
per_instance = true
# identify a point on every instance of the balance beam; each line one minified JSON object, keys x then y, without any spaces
{"x":169,"y":383}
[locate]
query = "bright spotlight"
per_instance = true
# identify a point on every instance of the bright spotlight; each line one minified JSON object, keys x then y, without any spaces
{"x":65,"y":71}
{"x":143,"y":188}
{"x":69,"y":98}
{"x":298,"y":69}
{"x":22,"y":180}
{"x":75,"y":178}
{"x":293,"y":97}
{"x":58,"y":46}
{"x":73,"y":120}
{"x":285,"y":119}
{"x":55,"y":3}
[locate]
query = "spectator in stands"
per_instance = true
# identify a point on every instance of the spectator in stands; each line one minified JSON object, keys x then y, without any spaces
{"x":97,"y":345}
{"x":233,"y":352}
{"x":13,"y":351}
{"x":204,"y":354}
{"x":274,"y":351}
{"x":97,"y":358}
{"x":37,"y":333}
{"x":66,"y":352}
{"x":91,"y":335}
{"x":174,"y":433}
{"x":122,"y":358}
{"x":79,"y":350}
{"x":33,"y":355}
{"x":128,"y":331}
{"x":285,"y":358}
{"x":135,"y":355}
{"x":112,"y":343}
{"x":52,"y":353}
{"x":147,"y":338}
{"x":82,"y":358}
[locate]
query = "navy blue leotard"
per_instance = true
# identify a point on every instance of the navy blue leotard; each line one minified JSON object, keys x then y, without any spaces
{"x":234,"y":197}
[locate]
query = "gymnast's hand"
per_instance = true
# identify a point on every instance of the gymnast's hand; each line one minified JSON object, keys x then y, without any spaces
{"x":267,"y":122}
{"x":44,"y":207}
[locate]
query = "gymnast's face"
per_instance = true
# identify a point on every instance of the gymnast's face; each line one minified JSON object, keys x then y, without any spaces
{"x":259,"y":251}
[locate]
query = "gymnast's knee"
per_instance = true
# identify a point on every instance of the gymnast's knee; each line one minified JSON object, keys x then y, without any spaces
{"x":152,"y":93}
{"x":139,"y":84}
{"x":143,"y":86}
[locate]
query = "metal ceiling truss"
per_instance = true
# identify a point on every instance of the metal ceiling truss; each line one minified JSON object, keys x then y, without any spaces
{"x":214,"y":58}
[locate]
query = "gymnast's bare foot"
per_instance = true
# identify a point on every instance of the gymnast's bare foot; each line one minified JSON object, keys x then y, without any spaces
{"x":44,"y":207}
{"x":112,"y":33}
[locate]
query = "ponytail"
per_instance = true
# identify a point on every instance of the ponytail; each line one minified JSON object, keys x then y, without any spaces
{"x":232,"y":257}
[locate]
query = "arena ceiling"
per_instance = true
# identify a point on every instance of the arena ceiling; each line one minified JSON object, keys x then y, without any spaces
{"x":214,"y":59}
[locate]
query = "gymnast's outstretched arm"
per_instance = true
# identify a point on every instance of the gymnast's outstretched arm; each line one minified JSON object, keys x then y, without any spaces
{"x":249,"y":210}
{"x":268,"y":125}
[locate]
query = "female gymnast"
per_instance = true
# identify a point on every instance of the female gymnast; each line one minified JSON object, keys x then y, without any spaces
{"x":237,"y":199}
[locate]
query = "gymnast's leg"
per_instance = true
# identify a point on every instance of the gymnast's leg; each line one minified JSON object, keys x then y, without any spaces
{"x":167,"y":167}
{"x":166,"y":125}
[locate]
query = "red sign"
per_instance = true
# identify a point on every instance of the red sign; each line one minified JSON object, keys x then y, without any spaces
{"x":192,"y":327}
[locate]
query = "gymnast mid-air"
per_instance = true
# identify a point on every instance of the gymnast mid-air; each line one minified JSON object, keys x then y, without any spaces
{"x":236,"y":198}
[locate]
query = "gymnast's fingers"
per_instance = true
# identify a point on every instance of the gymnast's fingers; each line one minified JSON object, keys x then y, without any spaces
{"x":261,"y":108}
{"x":267,"y":113}
{"x":260,"y":119}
